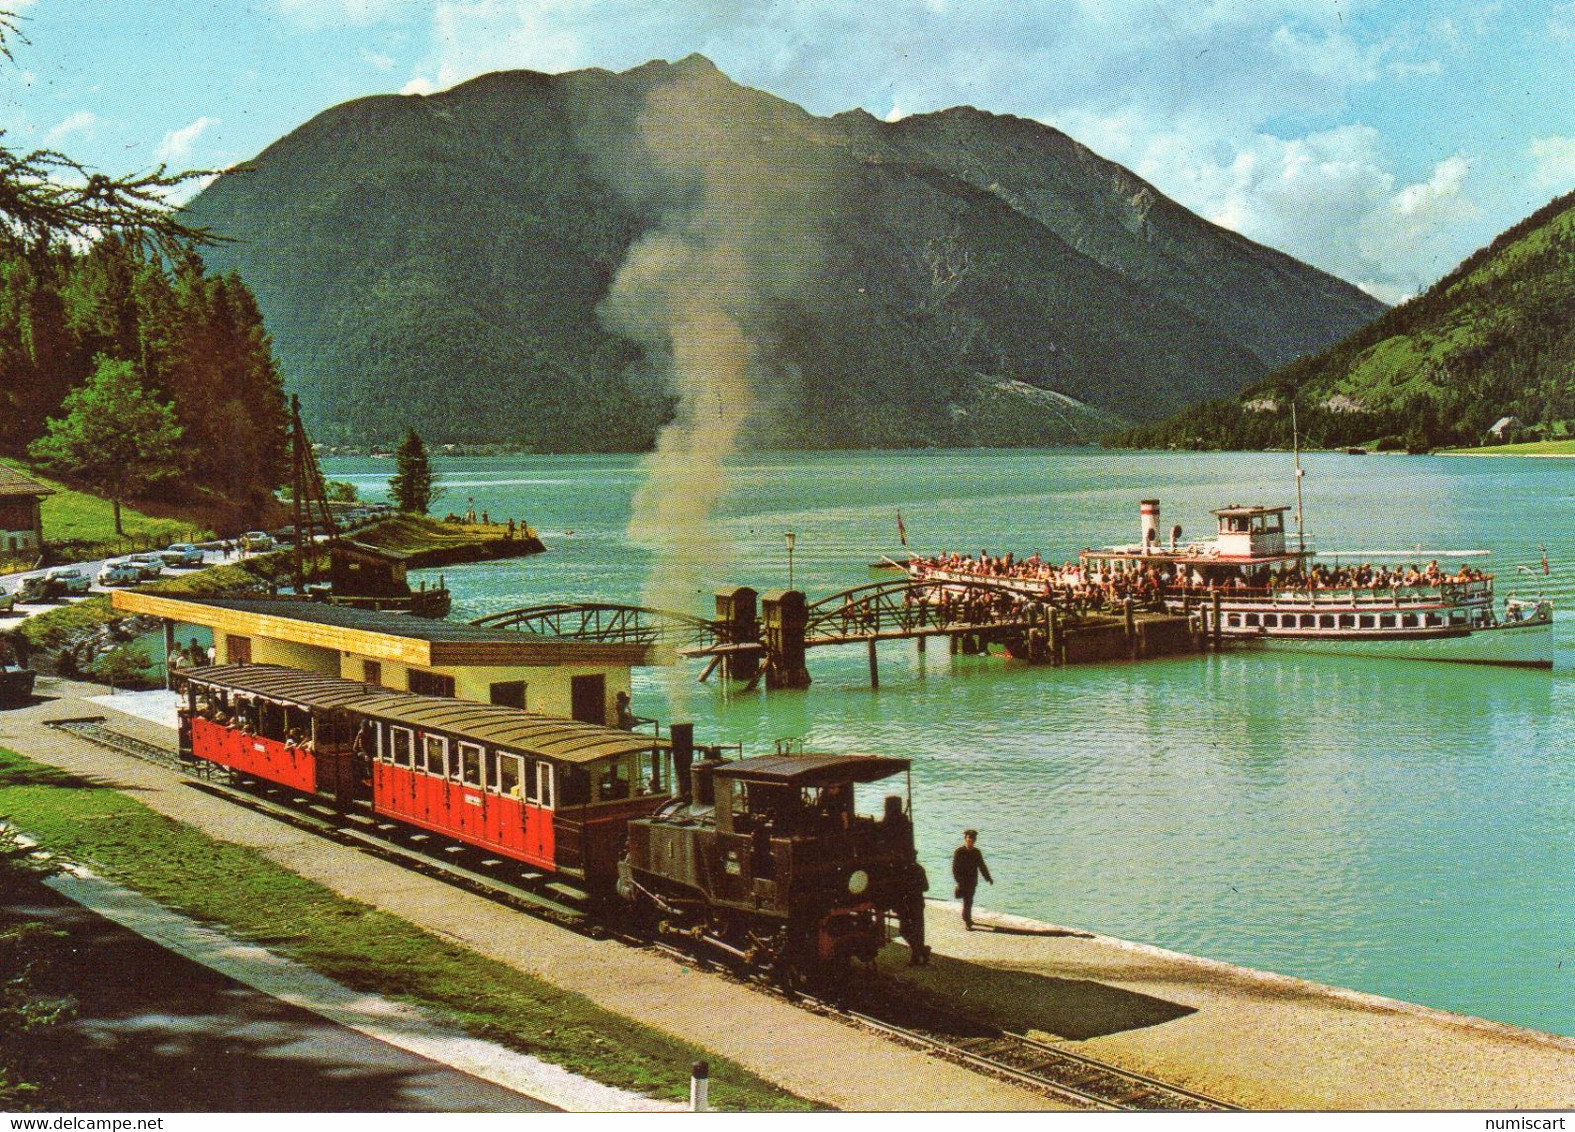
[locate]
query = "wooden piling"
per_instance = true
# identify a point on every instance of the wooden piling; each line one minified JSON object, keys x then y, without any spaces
{"x":874,"y":665}
{"x":1217,"y":628}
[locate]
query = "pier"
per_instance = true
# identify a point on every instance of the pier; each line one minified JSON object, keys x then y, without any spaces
{"x":756,"y":636}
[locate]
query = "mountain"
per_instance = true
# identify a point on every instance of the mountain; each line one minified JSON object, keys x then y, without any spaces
{"x":1485,"y":354}
{"x":520,"y":258}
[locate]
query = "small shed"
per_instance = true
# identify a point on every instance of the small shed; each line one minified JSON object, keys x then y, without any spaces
{"x":358,"y":569}
{"x":21,"y":518}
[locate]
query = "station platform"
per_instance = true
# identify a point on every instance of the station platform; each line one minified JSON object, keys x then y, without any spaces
{"x":1256,"y":1040}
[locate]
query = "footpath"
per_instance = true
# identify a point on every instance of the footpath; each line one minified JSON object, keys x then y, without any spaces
{"x":1257,"y":1040}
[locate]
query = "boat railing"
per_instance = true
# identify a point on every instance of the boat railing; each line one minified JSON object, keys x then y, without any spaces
{"x":1473,"y":592}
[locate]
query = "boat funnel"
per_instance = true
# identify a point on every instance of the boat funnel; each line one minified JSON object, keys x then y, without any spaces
{"x":683,"y":739}
{"x":1148,"y":510}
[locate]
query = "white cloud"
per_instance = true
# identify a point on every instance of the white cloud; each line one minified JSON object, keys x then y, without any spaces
{"x":1553,"y":164}
{"x":82,"y":122}
{"x":176,"y":145}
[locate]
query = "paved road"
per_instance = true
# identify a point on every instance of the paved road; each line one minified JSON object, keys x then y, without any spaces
{"x":156,"y":1032}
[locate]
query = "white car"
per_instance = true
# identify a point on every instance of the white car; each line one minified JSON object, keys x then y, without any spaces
{"x":68,"y":580}
{"x":257,"y":540}
{"x":118,"y":572}
{"x":182,"y":554}
{"x":151,"y":565}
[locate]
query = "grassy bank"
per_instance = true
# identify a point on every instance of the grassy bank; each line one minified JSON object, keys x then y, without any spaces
{"x":79,"y":526}
{"x":252,"y":898}
{"x":431,"y":542}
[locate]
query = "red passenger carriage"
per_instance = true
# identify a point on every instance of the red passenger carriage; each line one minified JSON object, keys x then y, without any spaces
{"x":553,"y":793}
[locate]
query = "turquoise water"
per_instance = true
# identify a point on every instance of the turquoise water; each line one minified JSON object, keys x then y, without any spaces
{"x":1398,"y":827}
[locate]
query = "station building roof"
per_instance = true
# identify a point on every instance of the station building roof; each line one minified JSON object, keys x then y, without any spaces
{"x":377,"y":635}
{"x":13,"y":484}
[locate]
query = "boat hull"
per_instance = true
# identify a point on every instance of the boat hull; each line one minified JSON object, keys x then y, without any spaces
{"x":1523,"y":646}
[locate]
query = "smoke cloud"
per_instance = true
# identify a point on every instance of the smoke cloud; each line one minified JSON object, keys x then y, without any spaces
{"x":706,"y":291}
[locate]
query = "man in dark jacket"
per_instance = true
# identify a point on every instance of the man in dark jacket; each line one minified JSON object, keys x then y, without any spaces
{"x":967,"y":867}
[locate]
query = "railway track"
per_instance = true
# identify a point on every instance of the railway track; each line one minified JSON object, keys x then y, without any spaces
{"x":911,"y":1018}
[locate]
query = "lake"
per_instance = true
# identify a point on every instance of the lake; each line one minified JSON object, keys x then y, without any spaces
{"x":1398,"y":827}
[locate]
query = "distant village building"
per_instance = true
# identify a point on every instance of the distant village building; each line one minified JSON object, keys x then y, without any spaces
{"x":21,"y":520}
{"x":1262,"y":405}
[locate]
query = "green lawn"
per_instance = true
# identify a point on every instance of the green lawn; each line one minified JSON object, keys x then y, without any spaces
{"x":80,"y":526}
{"x":252,"y":898}
{"x":1534,"y":448}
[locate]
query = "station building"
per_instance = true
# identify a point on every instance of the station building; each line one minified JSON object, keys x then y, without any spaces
{"x":566,"y":679}
{"x":21,"y":521}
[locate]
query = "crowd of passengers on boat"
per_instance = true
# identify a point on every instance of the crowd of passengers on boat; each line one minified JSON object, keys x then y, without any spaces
{"x":1151,"y":585}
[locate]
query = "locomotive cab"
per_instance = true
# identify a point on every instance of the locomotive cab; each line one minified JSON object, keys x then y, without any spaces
{"x":773,"y":858}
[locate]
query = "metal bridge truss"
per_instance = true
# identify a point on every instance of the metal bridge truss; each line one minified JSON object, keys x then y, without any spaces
{"x":891,"y":610}
{"x":605,"y":622}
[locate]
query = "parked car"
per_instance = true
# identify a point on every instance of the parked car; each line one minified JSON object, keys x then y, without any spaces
{"x":151,"y":565}
{"x":257,"y":540}
{"x":182,"y":554}
{"x":68,"y":580}
{"x":7,"y":600}
{"x":118,"y":572}
{"x":32,"y":587}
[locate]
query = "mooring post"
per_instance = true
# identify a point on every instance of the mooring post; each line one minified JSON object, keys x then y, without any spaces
{"x":1216,"y":629}
{"x":874,"y":666}
{"x":700,"y":1087}
{"x":951,"y":644}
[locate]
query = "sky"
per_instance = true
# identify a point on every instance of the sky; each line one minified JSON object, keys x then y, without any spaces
{"x":1381,"y":140}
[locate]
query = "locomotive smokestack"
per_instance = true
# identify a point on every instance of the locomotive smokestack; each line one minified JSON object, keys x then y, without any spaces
{"x":1148,"y":510}
{"x":683,"y":736}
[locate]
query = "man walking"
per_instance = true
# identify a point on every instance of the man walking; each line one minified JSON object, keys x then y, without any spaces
{"x":967,"y":867}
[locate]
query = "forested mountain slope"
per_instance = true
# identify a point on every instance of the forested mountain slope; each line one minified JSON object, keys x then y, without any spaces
{"x":953,"y":278}
{"x":1493,"y":339}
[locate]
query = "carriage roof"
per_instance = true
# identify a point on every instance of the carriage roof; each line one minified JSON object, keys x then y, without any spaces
{"x":811,"y":769}
{"x":275,"y":682}
{"x":562,"y":740}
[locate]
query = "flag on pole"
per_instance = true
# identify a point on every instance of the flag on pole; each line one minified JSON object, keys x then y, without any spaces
{"x":1544,"y":557}
{"x":902,"y":531}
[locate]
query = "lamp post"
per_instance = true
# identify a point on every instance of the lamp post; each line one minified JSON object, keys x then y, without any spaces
{"x":791,"y":539}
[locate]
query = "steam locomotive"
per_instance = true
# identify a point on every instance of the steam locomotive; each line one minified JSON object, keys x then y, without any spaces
{"x":766,"y":858}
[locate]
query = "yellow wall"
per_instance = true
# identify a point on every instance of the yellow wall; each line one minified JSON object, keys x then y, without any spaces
{"x":547,"y":689}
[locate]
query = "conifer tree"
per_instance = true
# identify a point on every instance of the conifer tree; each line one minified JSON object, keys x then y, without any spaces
{"x":411,"y":484}
{"x":116,"y":437}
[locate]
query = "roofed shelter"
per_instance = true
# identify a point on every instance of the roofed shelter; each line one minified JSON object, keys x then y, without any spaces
{"x":566,"y":679}
{"x":21,"y":516}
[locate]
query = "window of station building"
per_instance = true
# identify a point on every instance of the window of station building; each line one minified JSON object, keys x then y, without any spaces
{"x":436,"y":749}
{"x":508,"y":693}
{"x":372,"y":671}
{"x":470,"y":758}
{"x":401,"y":747}
{"x":431,"y":683}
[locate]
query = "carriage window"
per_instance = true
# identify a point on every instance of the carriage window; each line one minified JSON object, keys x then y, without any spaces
{"x":402,"y":747}
{"x":653,"y":774}
{"x":612,"y":780}
{"x":436,"y":752}
{"x":576,"y":787}
{"x":470,"y":764}
{"x":505,"y":778}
